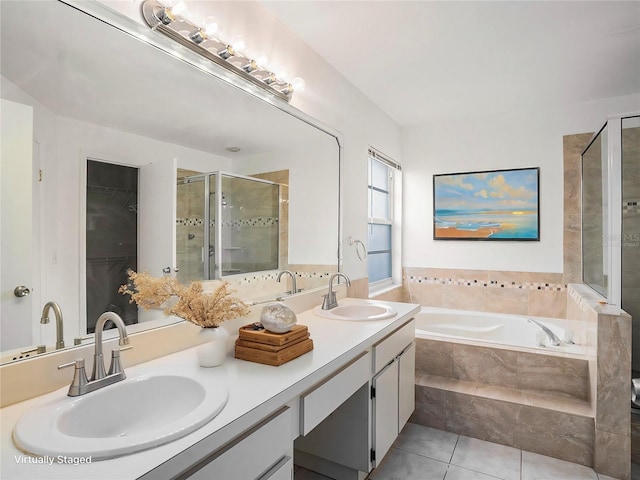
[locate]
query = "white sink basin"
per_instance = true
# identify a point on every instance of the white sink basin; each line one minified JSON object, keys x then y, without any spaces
{"x":129,"y":416}
{"x":364,"y":310}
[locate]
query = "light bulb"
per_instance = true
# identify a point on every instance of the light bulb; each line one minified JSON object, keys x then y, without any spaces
{"x":237,"y":43}
{"x":282,"y":75}
{"x":298,"y":84}
{"x":180,"y":8}
{"x":171,"y":10}
{"x":262,"y":60}
{"x":210,"y":26}
{"x":277,"y":70}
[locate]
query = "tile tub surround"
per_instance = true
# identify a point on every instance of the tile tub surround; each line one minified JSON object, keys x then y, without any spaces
{"x":609,"y":340}
{"x":572,"y":408}
{"x":525,"y":400}
{"x":522,"y":293}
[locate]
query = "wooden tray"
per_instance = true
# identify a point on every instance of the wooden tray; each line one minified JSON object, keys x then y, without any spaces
{"x":270,"y":348}
{"x":274,"y":358}
{"x":279,"y":339}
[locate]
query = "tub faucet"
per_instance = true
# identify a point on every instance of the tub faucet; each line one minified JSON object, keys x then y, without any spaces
{"x":44,"y":319}
{"x":330,"y":301}
{"x":80,"y":385}
{"x":294,"y":290}
{"x":553,"y":338}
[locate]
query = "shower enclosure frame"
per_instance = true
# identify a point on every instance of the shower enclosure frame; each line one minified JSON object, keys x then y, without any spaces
{"x":612,"y":228}
{"x":217,"y":235}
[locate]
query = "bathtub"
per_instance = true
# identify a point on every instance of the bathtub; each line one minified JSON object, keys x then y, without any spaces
{"x":495,"y":329}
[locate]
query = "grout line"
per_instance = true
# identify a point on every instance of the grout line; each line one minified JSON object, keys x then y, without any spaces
{"x":521,"y":464}
{"x":454,"y":449}
{"x":446,"y":472}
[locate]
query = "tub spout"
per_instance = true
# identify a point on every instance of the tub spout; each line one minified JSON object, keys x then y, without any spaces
{"x":553,"y":338}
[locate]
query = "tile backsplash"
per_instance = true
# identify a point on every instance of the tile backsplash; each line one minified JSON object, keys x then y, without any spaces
{"x":523,"y":293}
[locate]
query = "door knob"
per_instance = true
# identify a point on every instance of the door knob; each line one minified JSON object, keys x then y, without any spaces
{"x":21,"y":291}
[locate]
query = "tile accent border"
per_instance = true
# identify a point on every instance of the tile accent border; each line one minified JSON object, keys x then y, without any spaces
{"x":243,"y":222}
{"x":488,"y":284}
{"x":630,"y":208}
{"x":519,"y":293}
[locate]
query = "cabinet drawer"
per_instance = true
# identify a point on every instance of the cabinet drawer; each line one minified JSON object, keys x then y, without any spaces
{"x":389,"y":348}
{"x":254,"y":454}
{"x":318,"y":404}
{"x":283,"y":470}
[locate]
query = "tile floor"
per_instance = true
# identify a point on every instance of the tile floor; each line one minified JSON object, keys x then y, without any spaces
{"x":423,"y":453}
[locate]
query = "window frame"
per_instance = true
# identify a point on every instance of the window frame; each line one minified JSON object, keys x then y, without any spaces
{"x":393,"y":208}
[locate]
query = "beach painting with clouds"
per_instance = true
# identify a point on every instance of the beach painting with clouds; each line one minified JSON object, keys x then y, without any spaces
{"x":491,"y":205}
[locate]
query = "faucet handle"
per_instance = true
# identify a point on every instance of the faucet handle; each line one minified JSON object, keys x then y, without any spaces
{"x":329,"y":301}
{"x":79,"y":382}
{"x":116,"y":366}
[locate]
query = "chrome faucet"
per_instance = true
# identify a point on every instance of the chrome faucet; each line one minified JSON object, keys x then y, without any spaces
{"x":44,"y":319}
{"x":294,"y":290}
{"x":553,"y":338}
{"x":80,"y":385}
{"x":330,"y":301}
{"x":98,"y":361}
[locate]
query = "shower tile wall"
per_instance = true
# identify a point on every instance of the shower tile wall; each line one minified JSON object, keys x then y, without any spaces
{"x":281,"y":177}
{"x":631,"y":232}
{"x":573,"y":146}
{"x":594,"y":214}
{"x":189,"y":231}
{"x":250,"y":226}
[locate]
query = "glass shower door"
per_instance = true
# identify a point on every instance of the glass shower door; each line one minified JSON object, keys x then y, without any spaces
{"x":249,"y":225}
{"x":594,"y":214}
{"x":190,"y":232}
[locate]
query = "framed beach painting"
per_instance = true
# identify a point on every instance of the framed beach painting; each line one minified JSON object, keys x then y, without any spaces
{"x":490,"y":205}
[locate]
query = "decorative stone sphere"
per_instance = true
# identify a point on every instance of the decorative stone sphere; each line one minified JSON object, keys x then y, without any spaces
{"x":277,"y":317}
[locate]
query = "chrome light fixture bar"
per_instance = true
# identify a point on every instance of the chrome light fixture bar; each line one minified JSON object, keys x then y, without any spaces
{"x":169,"y":22}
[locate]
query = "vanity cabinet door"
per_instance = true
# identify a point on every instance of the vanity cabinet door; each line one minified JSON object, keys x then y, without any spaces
{"x":393,"y":397}
{"x":385,"y":410}
{"x":406,"y":385}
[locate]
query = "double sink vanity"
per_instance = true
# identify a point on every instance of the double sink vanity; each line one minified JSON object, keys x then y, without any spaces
{"x":339,"y":407}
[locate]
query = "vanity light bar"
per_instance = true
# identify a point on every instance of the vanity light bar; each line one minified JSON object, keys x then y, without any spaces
{"x":168,"y":21}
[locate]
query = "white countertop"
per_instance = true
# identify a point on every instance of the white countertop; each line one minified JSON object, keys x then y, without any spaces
{"x":255,"y":391}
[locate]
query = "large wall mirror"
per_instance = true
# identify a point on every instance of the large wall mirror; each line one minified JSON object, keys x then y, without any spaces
{"x":121,"y":150}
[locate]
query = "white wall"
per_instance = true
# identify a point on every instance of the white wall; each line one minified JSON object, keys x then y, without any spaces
{"x":518,"y":139}
{"x":313,"y":203}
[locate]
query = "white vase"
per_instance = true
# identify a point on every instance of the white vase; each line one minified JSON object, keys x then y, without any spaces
{"x":213,"y":350}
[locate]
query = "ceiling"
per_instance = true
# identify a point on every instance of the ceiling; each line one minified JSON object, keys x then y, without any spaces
{"x":422,"y":61}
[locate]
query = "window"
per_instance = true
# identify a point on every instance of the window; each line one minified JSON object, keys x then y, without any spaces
{"x":383,"y":213}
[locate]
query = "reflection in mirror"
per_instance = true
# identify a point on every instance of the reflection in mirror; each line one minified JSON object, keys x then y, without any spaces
{"x":227,"y":225}
{"x":114,"y":100}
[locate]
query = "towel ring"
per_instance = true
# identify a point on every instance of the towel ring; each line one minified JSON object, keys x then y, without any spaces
{"x":358,"y":243}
